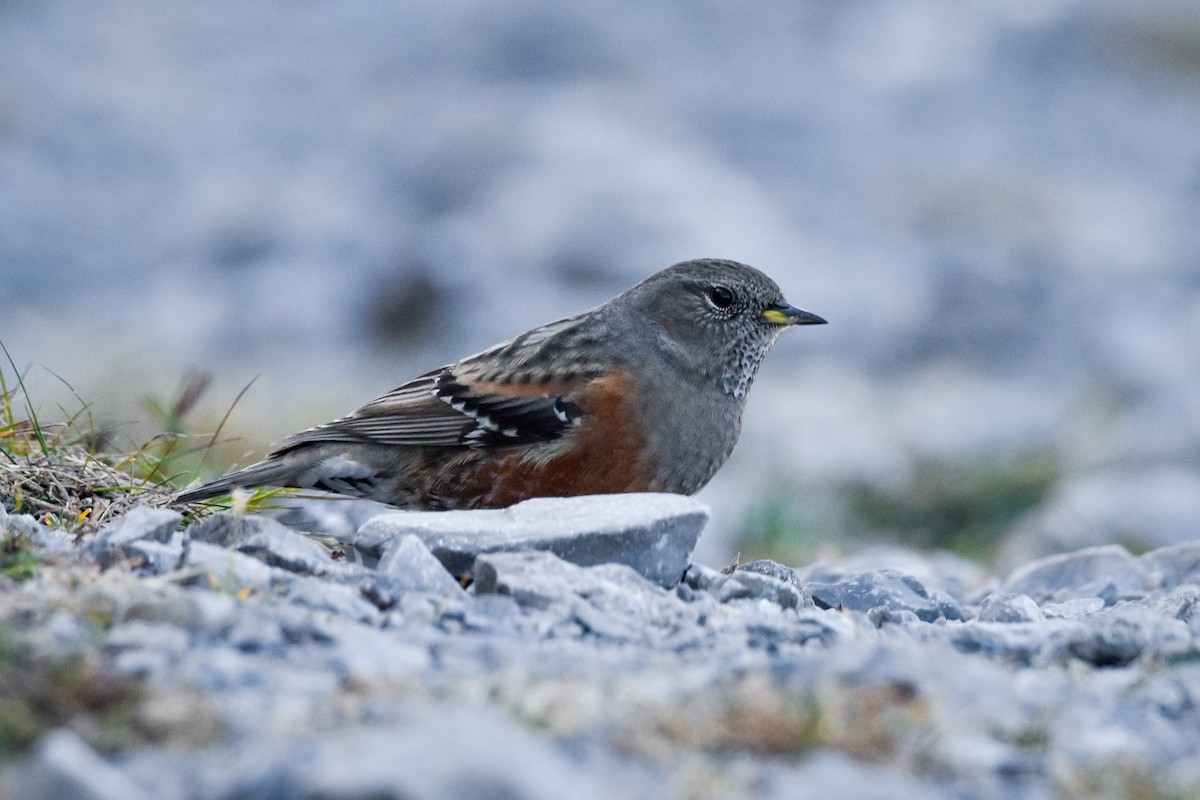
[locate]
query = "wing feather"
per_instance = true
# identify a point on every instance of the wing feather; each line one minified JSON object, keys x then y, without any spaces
{"x":452,"y":407}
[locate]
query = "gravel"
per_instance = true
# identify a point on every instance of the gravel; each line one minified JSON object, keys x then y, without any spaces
{"x":503,"y":654}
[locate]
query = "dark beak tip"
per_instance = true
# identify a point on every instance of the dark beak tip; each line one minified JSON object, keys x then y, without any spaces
{"x":784,"y":313}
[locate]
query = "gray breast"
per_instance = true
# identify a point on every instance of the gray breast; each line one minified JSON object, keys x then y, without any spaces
{"x":692,"y":432}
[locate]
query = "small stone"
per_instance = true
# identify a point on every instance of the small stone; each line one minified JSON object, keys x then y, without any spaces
{"x":608,"y":600}
{"x":253,"y":633}
{"x":345,"y":601}
{"x":1173,"y":566}
{"x":492,"y":612}
{"x":23,"y":525}
{"x":282,"y":547}
{"x":407,"y":566}
{"x":448,"y":752}
{"x":145,"y":648}
{"x":160,"y":558}
{"x":535,"y":580}
{"x":66,"y":767}
{"x":702,"y":578}
{"x":772,"y":569}
{"x":141,"y":523}
{"x":652,"y":533}
{"x":1085,"y":573}
{"x":366,"y":656}
{"x":883,"y":589}
{"x":1003,"y":607}
{"x":228,"y":570}
{"x":1075,"y":608}
{"x":187,"y":608}
{"x":1116,"y":637}
{"x":234,"y":530}
{"x":883,"y":615}
{"x":47,"y":539}
{"x":761,"y":586}
{"x":62,"y":636}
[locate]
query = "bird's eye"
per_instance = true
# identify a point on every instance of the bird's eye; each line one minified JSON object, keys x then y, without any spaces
{"x":720,"y":296}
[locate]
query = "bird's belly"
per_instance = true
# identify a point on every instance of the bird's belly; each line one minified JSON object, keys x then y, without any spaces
{"x":571,"y":467}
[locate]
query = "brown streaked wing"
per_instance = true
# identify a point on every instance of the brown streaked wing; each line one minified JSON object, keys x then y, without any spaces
{"x":445,"y":410}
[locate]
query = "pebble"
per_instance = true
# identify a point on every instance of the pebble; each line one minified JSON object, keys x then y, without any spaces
{"x":406,"y":565}
{"x":65,"y":767}
{"x":141,"y":523}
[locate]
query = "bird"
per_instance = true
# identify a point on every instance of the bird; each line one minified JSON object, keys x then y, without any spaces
{"x":643,"y":393}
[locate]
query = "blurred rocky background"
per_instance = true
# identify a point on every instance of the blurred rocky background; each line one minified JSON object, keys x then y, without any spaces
{"x":997,"y":206}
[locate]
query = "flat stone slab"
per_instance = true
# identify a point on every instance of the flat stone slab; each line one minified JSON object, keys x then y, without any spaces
{"x":652,"y":533}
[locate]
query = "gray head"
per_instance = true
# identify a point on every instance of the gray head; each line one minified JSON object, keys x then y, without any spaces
{"x":717,"y":318}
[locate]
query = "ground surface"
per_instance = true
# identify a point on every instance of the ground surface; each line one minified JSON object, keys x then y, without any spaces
{"x":236,"y":657}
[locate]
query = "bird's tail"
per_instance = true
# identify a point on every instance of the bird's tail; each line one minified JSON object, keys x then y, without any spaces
{"x":272,"y":472}
{"x":326,"y":467}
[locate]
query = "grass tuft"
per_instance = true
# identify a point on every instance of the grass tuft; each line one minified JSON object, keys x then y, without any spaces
{"x":71,"y":474}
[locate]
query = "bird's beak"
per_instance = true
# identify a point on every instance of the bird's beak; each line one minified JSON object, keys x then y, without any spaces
{"x":782,"y":313}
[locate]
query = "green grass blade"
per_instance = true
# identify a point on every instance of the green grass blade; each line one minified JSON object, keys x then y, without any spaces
{"x":37,"y":427}
{"x":220,"y":427}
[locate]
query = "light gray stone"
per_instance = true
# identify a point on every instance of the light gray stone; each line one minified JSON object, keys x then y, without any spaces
{"x":830,"y":774}
{"x":1116,"y":637}
{"x":23,"y":525}
{"x":492,"y":612}
{"x":407,"y":566}
{"x":66,"y":768}
{"x":1075,"y":608}
{"x":1002,"y":607}
{"x":256,"y":633}
{"x":448,"y":754}
{"x":160,"y":557}
{"x":1172,"y":566}
{"x":229,"y":570}
{"x":886,"y":593}
{"x":367,"y":656}
{"x":110,"y":543}
{"x":47,"y":539}
{"x":336,"y":598}
{"x":534,"y":579}
{"x":752,"y":585}
{"x":278,"y":545}
{"x":702,"y":578}
{"x":608,"y":600}
{"x":652,"y":533}
{"x":62,"y":636}
{"x":1085,"y":573}
{"x":189,"y":608}
{"x":772,"y":569}
{"x":145,"y":648}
